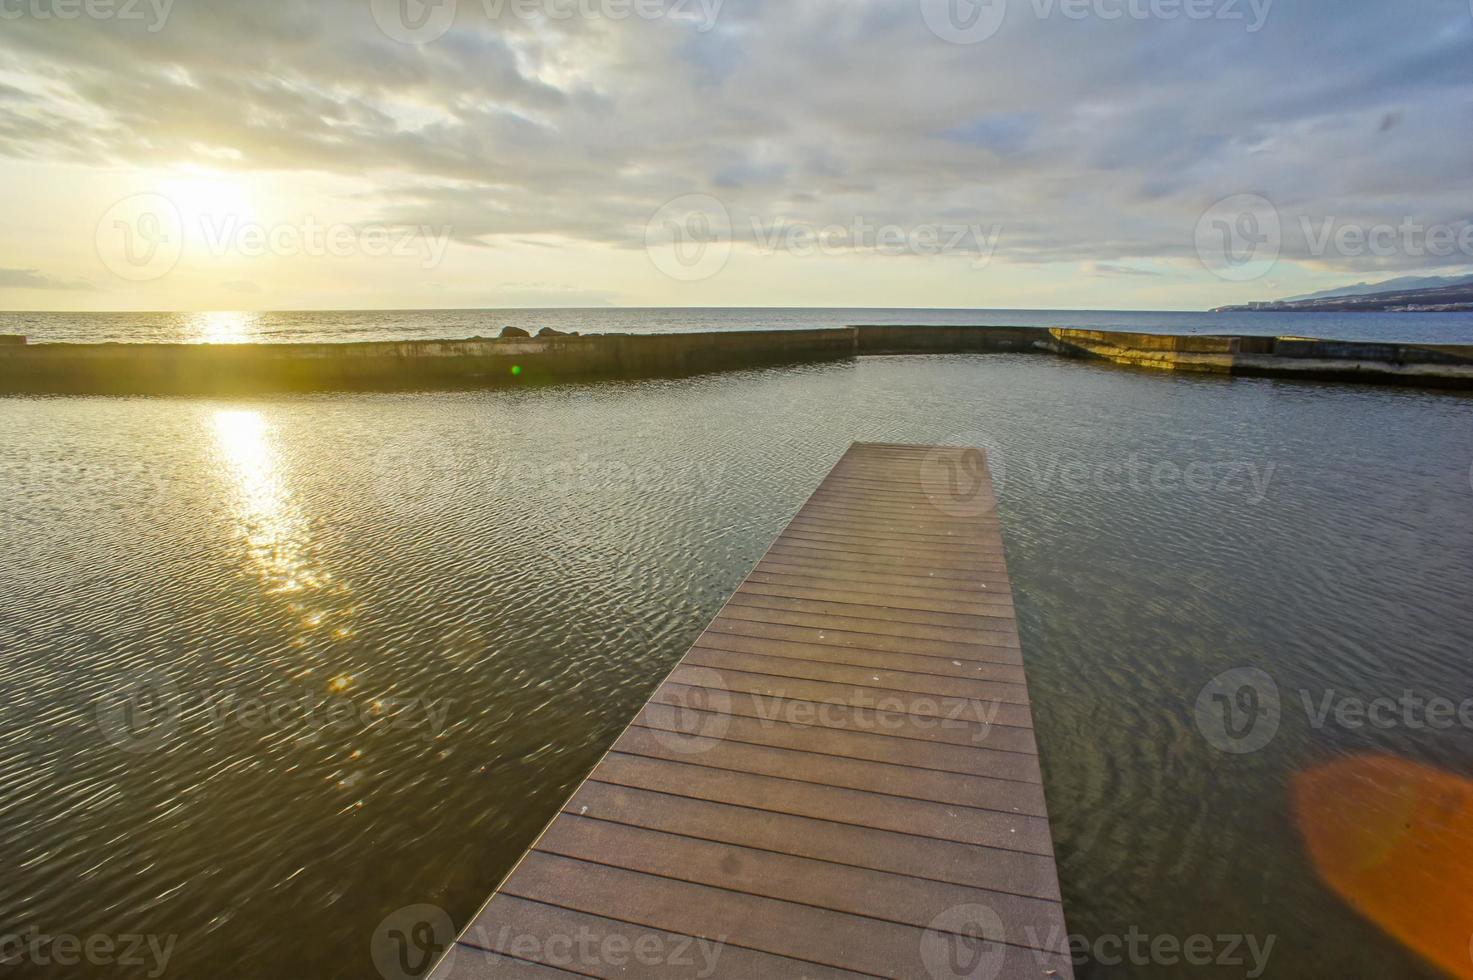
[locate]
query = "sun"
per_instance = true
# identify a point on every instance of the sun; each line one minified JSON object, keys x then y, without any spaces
{"x":210,"y":200}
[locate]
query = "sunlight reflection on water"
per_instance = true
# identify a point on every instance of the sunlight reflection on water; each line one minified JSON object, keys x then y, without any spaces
{"x":223,"y":327}
{"x":277,"y":534}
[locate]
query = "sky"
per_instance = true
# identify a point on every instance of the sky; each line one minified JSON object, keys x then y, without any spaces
{"x":1054,"y":154}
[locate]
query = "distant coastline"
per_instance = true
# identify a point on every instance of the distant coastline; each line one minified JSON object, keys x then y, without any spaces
{"x":1446,"y":299}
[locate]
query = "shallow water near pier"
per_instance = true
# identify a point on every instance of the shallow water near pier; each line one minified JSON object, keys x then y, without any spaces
{"x":380,"y":638}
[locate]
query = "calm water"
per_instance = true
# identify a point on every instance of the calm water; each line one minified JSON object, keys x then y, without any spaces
{"x":1444,"y":328}
{"x":378,"y":639}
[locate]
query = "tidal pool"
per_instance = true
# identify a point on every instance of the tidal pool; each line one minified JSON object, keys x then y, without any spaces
{"x":273,"y":670}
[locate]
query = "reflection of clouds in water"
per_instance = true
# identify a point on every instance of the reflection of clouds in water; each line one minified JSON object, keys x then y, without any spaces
{"x":277,"y":534}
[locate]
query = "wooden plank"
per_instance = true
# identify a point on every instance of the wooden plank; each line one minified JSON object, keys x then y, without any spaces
{"x":565,"y":943}
{"x":875,"y":611}
{"x":974,"y":760}
{"x":981,"y":668}
{"x":840,"y":777}
{"x":859,"y":717}
{"x":881,"y":589}
{"x":863,"y":847}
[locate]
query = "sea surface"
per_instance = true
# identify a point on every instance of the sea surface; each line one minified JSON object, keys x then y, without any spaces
{"x":359,"y":325}
{"x":272,"y":670}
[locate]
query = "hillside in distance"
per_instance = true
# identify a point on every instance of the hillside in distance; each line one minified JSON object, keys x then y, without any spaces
{"x":1448,"y":296}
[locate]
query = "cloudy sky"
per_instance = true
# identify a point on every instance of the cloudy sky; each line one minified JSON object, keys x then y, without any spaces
{"x":1125,"y":154}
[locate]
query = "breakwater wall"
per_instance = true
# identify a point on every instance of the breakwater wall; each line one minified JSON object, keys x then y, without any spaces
{"x":1432,"y":365}
{"x":227,"y":369}
{"x":242,"y":369}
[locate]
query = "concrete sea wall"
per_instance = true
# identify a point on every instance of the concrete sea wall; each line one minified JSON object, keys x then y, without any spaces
{"x":1447,"y":366}
{"x":238,"y":369}
{"x":227,"y":369}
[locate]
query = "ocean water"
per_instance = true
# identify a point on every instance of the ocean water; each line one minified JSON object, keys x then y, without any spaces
{"x":271,"y":670}
{"x":344,"y":326}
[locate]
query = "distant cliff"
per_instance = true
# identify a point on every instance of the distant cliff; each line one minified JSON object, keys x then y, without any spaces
{"x":1441,"y":299}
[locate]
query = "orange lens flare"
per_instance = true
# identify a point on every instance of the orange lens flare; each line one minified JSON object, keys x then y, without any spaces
{"x":1395,"y":839}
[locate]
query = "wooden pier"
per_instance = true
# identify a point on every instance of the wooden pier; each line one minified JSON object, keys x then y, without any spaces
{"x":840,"y":778}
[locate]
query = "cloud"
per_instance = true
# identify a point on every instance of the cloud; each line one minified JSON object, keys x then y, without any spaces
{"x":35,"y":279}
{"x":1086,"y":140}
{"x":1116,"y":269}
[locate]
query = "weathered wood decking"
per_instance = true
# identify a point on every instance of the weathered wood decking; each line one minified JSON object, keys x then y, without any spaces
{"x":839,"y":778}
